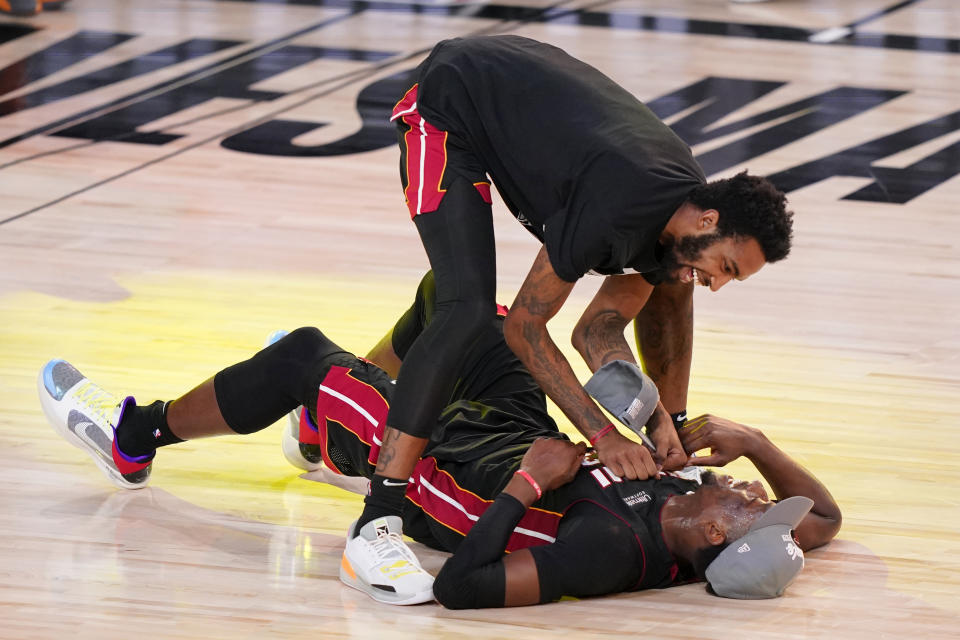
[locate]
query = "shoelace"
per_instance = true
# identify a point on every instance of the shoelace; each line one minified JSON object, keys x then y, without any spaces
{"x":97,"y":401}
{"x":391,"y":543}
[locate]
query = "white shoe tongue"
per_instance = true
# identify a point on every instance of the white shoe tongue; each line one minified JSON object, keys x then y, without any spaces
{"x":381,"y":526}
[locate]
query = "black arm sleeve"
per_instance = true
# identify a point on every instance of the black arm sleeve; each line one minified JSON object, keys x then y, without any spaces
{"x":595,"y":554}
{"x":416,"y":318}
{"x":474,"y":577}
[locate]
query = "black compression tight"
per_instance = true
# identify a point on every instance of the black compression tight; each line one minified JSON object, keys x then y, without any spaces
{"x":255,"y":393}
{"x":458,"y":238}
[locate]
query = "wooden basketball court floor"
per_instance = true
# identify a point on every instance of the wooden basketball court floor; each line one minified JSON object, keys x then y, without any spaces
{"x":178,"y":179}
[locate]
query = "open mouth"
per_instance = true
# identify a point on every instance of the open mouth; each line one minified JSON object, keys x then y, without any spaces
{"x":690,"y":274}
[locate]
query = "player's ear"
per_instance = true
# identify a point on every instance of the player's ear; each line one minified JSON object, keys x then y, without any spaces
{"x":707,"y":220}
{"x":714,"y":533}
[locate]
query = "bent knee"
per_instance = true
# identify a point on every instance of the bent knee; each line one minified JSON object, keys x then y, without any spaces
{"x":305,"y":342}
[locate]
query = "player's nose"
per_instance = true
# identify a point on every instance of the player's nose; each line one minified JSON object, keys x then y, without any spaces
{"x":718,"y":281}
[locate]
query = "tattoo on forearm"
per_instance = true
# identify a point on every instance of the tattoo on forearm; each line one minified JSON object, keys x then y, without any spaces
{"x":552,"y":372}
{"x":541,"y":294}
{"x":603,"y":339}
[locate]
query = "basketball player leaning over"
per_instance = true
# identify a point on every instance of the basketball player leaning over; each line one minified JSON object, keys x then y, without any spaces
{"x":607,"y":188}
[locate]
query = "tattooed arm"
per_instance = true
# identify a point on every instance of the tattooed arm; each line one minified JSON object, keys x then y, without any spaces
{"x":599,"y":334}
{"x":525,"y":329}
{"x":599,"y":338}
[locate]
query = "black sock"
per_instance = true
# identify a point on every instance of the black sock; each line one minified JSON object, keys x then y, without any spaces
{"x":143,"y":429}
{"x":385,"y":499}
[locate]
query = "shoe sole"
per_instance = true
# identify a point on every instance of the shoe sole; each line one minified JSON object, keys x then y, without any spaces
{"x":290,"y":444}
{"x":377,"y":594}
{"x":49,"y":405}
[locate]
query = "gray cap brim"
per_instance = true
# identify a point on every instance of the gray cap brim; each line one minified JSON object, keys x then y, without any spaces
{"x":764,"y":562}
{"x":625,"y":391}
{"x":789,"y":511}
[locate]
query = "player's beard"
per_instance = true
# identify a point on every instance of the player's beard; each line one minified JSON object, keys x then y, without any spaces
{"x":684,"y":251}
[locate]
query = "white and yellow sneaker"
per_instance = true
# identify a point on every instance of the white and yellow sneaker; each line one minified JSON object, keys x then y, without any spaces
{"x":379,"y":563}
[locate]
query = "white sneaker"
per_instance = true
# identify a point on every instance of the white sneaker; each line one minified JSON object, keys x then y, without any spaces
{"x":380,"y":564}
{"x":301,"y":455}
{"x":86,"y":416}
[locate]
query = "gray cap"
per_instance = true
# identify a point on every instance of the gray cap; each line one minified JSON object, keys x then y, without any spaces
{"x":762,"y":563}
{"x":625,"y":391}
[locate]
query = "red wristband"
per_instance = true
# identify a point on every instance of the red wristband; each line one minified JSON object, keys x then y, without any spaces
{"x":533,"y":483}
{"x":599,"y":434}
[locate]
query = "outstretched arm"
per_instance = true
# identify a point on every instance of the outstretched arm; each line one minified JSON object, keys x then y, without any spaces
{"x":728,"y":440}
{"x":525,"y":329}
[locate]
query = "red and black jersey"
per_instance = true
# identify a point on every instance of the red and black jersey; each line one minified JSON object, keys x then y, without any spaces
{"x":598,"y":519}
{"x":596,"y":535}
{"x":582,"y":163}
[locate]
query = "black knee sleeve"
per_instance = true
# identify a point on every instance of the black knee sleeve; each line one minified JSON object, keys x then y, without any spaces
{"x":257,"y":392}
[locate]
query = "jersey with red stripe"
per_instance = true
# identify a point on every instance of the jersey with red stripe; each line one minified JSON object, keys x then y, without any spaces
{"x":477,"y":447}
{"x":349,"y":416}
{"x":442,"y":492}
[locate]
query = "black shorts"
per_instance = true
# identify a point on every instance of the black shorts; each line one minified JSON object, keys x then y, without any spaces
{"x":431,"y":159}
{"x":478,"y":448}
{"x":477,"y":445}
{"x":347,"y":414}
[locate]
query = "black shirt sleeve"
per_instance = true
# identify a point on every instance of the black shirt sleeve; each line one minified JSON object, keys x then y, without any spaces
{"x":595,"y":553}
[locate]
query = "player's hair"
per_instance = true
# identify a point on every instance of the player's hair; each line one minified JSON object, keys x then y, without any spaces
{"x":749,"y":206}
{"x":704,"y":556}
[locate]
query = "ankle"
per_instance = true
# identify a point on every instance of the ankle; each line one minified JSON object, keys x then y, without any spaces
{"x":143,"y":429}
{"x":385,"y":499}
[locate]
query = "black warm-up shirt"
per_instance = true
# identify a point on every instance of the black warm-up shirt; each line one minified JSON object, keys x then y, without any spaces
{"x":583,"y":164}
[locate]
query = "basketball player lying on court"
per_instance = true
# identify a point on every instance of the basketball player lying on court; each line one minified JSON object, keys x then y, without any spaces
{"x":528,"y":516}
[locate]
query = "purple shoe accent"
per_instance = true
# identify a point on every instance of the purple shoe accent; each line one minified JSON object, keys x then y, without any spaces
{"x":310,"y":422}
{"x":127,"y":403}
{"x":133,"y":459}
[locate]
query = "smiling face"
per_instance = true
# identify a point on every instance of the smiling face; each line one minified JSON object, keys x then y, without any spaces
{"x":712,"y":260}
{"x":750,"y":487}
{"x":733,"y":506}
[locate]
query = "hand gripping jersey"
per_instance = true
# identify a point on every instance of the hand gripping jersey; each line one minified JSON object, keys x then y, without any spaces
{"x":637,"y":504}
